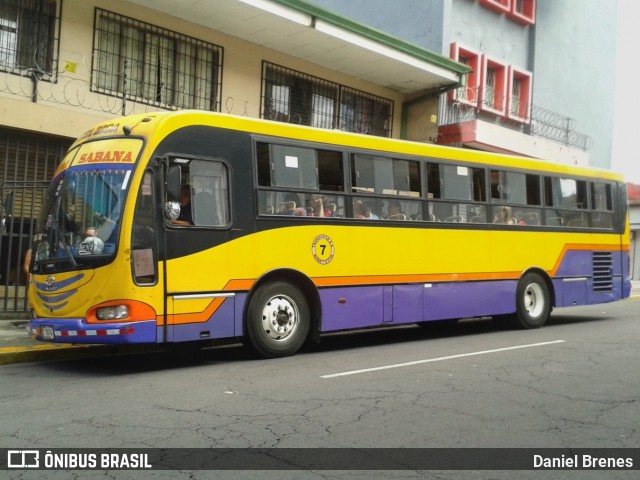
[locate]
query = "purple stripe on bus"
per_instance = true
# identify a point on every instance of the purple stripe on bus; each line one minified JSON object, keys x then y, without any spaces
{"x":581,"y":263}
{"x":361,"y":307}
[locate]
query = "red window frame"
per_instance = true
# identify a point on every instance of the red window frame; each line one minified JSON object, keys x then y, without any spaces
{"x":527,"y":15}
{"x":497,"y":104}
{"x":522,"y":111}
{"x":499,"y":6}
{"x":468,"y":93}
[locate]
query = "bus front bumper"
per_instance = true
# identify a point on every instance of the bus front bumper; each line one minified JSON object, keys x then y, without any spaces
{"x":76,"y":330}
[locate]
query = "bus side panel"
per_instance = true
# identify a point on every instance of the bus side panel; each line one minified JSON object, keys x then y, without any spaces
{"x":617,"y":282}
{"x":625,"y":263}
{"x":219,"y":325}
{"x":469,"y":299}
{"x":408,"y":303}
{"x":570,"y":292}
{"x":241,"y":305}
{"x":351,"y":307}
{"x":582,"y":279}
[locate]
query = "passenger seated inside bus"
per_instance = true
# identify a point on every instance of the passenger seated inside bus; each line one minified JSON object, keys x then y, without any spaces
{"x":291,"y":206}
{"x":369,"y":209}
{"x":185,"y":217}
{"x":504,"y":216}
{"x":531,"y":218}
{"x":362,"y":210}
{"x":317,"y":208}
{"x":359,"y":210}
{"x":520,"y":218}
{"x":92,"y":244}
{"x":394,"y":211}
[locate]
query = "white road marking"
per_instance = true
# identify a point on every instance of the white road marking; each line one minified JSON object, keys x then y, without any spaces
{"x":439,"y":359}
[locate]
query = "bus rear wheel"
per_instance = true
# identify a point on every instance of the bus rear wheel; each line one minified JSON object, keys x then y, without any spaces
{"x":533,"y":302}
{"x":278,"y":320}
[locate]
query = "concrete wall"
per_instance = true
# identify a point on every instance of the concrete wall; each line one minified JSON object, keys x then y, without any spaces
{"x":420,"y":22}
{"x":575,"y":67}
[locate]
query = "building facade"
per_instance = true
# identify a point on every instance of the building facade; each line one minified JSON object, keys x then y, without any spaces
{"x":66,"y":65}
{"x":542,"y":80}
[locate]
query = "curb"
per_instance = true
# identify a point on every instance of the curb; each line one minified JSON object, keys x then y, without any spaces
{"x":40,"y":353}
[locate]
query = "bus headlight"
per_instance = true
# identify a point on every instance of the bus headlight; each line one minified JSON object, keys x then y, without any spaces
{"x":115,"y":312}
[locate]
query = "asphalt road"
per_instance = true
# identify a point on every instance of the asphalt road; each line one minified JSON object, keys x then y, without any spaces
{"x":572,"y":384}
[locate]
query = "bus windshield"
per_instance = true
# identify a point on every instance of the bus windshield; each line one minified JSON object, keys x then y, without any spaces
{"x":80,"y":219}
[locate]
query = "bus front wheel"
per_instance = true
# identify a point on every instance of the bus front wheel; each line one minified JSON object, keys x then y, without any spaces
{"x":533,"y":302}
{"x":277,"y":320}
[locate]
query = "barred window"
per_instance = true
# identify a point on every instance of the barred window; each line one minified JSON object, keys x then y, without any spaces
{"x":29,"y":32}
{"x":295,"y":97}
{"x":153,"y":65}
{"x":365,"y":113}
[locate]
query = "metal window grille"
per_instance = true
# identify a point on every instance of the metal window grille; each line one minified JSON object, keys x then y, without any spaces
{"x":155,"y":66}
{"x":490,"y":88}
{"x":295,"y":97}
{"x":515,"y":97}
{"x":29,"y":37}
{"x":362,"y":112}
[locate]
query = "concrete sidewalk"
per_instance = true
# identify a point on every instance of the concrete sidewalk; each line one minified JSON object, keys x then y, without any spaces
{"x":17,"y":347}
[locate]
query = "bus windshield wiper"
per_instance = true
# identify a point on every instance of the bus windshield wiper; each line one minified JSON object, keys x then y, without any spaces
{"x":69,"y":254}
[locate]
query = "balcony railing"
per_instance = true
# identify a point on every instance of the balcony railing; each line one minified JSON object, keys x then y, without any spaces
{"x":463,"y":105}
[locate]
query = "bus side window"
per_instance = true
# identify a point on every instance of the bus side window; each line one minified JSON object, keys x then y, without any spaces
{"x":602,"y":205}
{"x":209,"y":180}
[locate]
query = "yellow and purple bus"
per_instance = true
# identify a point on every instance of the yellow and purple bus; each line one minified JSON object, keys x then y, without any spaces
{"x":198,"y":227}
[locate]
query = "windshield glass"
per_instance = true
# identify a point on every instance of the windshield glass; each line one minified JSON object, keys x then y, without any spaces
{"x":80,"y":219}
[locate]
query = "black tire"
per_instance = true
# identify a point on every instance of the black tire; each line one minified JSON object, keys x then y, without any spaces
{"x":278,"y":320}
{"x":533,"y":302}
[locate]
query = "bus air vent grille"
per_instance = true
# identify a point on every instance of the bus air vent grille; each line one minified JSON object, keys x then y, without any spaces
{"x":602,"y":272}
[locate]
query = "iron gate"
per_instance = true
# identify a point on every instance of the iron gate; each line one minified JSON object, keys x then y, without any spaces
{"x":17,"y":225}
{"x":27,"y":164}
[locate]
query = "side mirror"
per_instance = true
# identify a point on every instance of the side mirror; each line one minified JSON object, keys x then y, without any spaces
{"x":171,"y":211}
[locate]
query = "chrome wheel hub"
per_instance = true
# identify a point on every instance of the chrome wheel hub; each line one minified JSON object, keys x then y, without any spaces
{"x":280,"y":317}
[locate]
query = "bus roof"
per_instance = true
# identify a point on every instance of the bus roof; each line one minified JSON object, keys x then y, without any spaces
{"x":156,"y":125}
